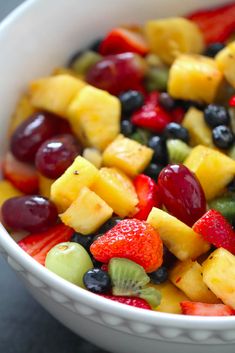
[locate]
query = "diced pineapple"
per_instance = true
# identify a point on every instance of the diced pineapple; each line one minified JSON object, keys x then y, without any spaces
{"x":94,"y":115}
{"x":187,"y":276}
{"x":173,"y":36}
{"x":127,"y":155}
{"x":180,"y":239}
{"x":23,"y":111}
{"x":93,"y":155}
{"x":200,"y":133}
{"x":67,"y":187}
{"x":219,"y":275}
{"x":225,"y":60}
{"x":117,"y":190}
{"x":7,"y":191}
{"x":55,"y":93}
{"x":194,"y":77}
{"x":171,"y":298}
{"x":45,"y":185}
{"x":213,"y":169}
{"x":87,"y":213}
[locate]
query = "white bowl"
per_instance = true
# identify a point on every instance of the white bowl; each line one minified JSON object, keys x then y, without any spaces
{"x":38,"y":36}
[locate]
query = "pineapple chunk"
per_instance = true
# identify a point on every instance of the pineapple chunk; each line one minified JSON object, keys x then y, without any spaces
{"x":94,"y":115}
{"x":171,"y":298}
{"x":194,"y":77}
{"x":45,"y":185}
{"x":55,"y":93}
{"x":7,"y":191}
{"x":213,"y":169}
{"x":93,"y":155}
{"x":219,"y":275}
{"x":117,"y":190}
{"x":67,"y":187}
{"x":180,"y":239}
{"x":173,"y":36}
{"x":23,"y":111}
{"x":87,"y":213}
{"x":65,"y":71}
{"x":187,"y":276}
{"x":127,"y":155}
{"x":200,"y":133}
{"x":225,"y":60}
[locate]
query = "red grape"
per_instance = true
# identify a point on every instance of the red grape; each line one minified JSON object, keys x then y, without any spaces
{"x":55,"y":155}
{"x":29,"y":213}
{"x":181,"y":193}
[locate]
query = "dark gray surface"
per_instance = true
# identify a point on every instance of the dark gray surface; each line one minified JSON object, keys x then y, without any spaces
{"x":24,"y":326}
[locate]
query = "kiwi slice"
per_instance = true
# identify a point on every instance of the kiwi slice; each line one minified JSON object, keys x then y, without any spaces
{"x":178,"y":151}
{"x":85,"y":61}
{"x":231,"y":152}
{"x":225,"y":205}
{"x":129,"y":279}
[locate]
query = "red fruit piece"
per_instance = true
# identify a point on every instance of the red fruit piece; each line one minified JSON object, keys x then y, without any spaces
{"x":148,"y":196}
{"x":22,"y":175}
{"x":216,"y":230}
{"x":136,"y":302}
{"x":121,"y":40}
{"x":132,"y":239}
{"x":177,"y":115}
{"x":232,"y":102}
{"x":39,"y":244}
{"x":209,"y":22}
{"x":181,"y":193}
{"x":203,"y":309}
{"x":154,"y":120}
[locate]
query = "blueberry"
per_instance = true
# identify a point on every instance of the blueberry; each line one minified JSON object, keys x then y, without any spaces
{"x":176,"y":131}
{"x":109,"y":224}
{"x":158,"y":144}
{"x":97,"y":281}
{"x":166,"y":101}
{"x":131,"y":101}
{"x":216,"y":115}
{"x":153,"y":170}
{"x":168,"y":258}
{"x":84,"y":240}
{"x":159,"y":276}
{"x":222,"y":137}
{"x":213,"y":49}
{"x":127,"y":128}
{"x":231,"y":186}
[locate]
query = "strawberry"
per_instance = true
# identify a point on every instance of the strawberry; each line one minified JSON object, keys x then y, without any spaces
{"x":216,"y":230}
{"x":203,"y":309}
{"x":216,"y":24}
{"x":177,"y":115}
{"x":154,"y":120}
{"x":232,"y":102}
{"x":23,"y":176}
{"x":136,"y":302}
{"x":148,"y":196}
{"x":132,"y":239}
{"x":38,"y":245}
{"x":121,"y":40}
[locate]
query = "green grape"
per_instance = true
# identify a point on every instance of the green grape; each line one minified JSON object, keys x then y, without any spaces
{"x":84,"y":62}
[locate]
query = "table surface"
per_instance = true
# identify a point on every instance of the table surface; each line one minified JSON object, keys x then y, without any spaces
{"x":25,"y":327}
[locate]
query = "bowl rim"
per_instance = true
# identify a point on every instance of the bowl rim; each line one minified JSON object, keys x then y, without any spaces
{"x":88,"y":298}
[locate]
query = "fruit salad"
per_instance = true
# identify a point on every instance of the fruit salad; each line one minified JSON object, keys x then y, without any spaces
{"x":120,"y":171}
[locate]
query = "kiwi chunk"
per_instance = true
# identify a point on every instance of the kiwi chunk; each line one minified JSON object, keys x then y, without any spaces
{"x":85,"y":61}
{"x":129,"y":279}
{"x":178,"y":150}
{"x":225,"y":205}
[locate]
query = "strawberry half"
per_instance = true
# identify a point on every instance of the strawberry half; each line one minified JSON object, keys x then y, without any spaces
{"x":136,"y":302}
{"x":148,"y":196}
{"x":232,"y":102}
{"x":203,"y":309}
{"x":216,"y":230}
{"x":23,"y":176}
{"x":38,"y":245}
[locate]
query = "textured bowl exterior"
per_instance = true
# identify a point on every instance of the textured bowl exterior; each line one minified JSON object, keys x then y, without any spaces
{"x":110,"y":325}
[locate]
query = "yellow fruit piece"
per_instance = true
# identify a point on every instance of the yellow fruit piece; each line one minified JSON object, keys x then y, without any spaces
{"x":93,"y":155}
{"x":225,"y":60}
{"x":127,"y":155}
{"x":7,"y":191}
{"x":45,"y":185}
{"x":219,"y":275}
{"x":213,"y":169}
{"x":171,"y":298}
{"x":87,"y":213}
{"x":67,"y":187}
{"x":173,"y":36}
{"x":23,"y":111}
{"x":94,"y":115}
{"x":187,"y":276}
{"x":113,"y":186}
{"x":200,"y":133}
{"x":55,"y":93}
{"x":194,"y":77}
{"x":180,"y":239}
{"x":65,"y":71}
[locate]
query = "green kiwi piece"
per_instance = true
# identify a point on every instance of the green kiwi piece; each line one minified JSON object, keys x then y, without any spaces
{"x":141,"y":135}
{"x":231,"y":152}
{"x":157,"y":79}
{"x":129,"y":279}
{"x":225,"y":205}
{"x":85,"y":61}
{"x":178,"y":151}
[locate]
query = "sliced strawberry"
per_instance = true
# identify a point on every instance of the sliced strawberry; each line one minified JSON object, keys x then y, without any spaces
{"x":38,"y":245}
{"x":232,"y":102}
{"x":203,"y":309}
{"x":122,"y":40}
{"x":177,"y":115}
{"x":23,"y":176}
{"x":136,"y":302}
{"x":216,"y":230}
{"x":154,"y":120}
{"x":148,"y":196}
{"x":216,"y":24}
